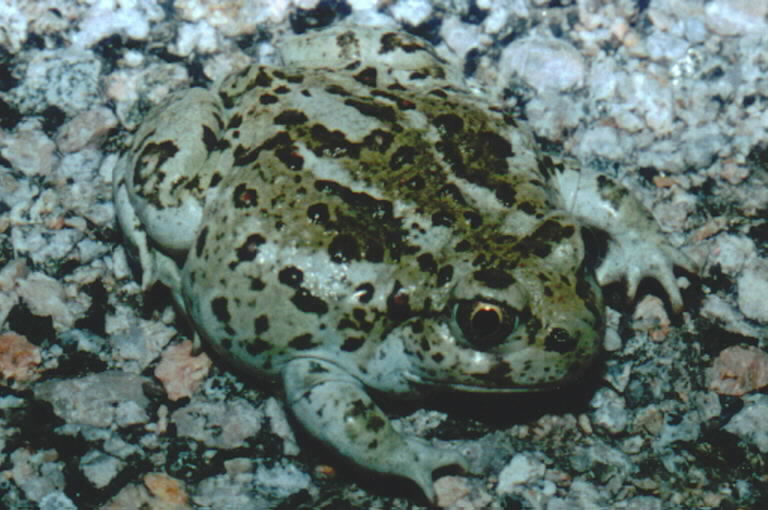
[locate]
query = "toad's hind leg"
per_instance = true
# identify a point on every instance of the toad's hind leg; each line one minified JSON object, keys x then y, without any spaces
{"x":334,"y":407}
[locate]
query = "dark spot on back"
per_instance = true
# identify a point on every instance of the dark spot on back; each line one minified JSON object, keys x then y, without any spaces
{"x":157,"y":154}
{"x":378,"y":140}
{"x":351,"y":344}
{"x":365,"y":292}
{"x":332,"y":143}
{"x":367,"y":76}
{"x":442,"y":219}
{"x":260,"y":324}
{"x":385,"y":113}
{"x":462,"y":246}
{"x":290,"y":276}
{"x":318,"y":213}
{"x":506,"y":194}
{"x":307,"y":303}
{"x":302,"y":342}
{"x":219,"y":307}
{"x":494,"y":278}
{"x":257,"y":346}
{"x":474,"y":219}
{"x":235,"y":121}
{"x":250,"y":248}
{"x":210,"y":140}
{"x":404,"y":155}
{"x":496,"y":144}
{"x":245,"y":197}
{"x":244,"y":155}
{"x":398,"y":305}
{"x":445,"y":275}
{"x":262,"y":79}
{"x":528,"y":208}
{"x":200,"y":243}
{"x":427,"y":263}
{"x":415,"y":183}
{"x":291,"y":118}
{"x":452,"y":191}
{"x":343,"y":248}
{"x":451,"y":123}
{"x":267,"y":99}
{"x":337,"y":90}
{"x":290,"y":158}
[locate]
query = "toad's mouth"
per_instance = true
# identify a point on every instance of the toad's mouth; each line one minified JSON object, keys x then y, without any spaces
{"x":477,"y":388}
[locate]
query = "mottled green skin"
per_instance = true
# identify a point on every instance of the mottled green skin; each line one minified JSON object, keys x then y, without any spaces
{"x":370,"y":222}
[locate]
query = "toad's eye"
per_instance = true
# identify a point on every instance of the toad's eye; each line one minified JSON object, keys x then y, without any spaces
{"x":484,"y":324}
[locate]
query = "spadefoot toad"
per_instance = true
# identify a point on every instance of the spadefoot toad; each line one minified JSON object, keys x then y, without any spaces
{"x":360,"y":218}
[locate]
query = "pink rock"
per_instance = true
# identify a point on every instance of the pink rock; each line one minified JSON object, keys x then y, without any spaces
{"x":739,"y":370}
{"x":180,"y":372}
{"x":18,"y":358}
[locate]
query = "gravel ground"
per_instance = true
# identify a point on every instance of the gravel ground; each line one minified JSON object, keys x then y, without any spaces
{"x":103,"y":404}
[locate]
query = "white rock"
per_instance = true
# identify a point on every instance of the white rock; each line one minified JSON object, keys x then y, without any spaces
{"x":551,"y":114}
{"x":732,"y":252}
{"x":628,"y":121}
{"x":93,"y":400}
{"x":87,"y":127}
{"x":734,"y":17}
{"x":602,"y":141}
{"x":459,"y":36}
{"x":414,"y":12}
{"x":136,"y":342}
{"x":650,"y":98}
{"x":610,"y":410}
{"x":496,"y":20}
{"x":520,"y":470}
{"x":29,"y":150}
{"x":363,"y":5}
{"x":100,"y":468}
{"x":13,"y":26}
{"x":233,"y":17}
{"x":544,"y":63}
{"x":283,"y":479}
{"x":102,"y":21}
{"x":35,"y":474}
{"x":56,"y":500}
{"x":200,"y":37}
{"x":753,"y":290}
{"x":749,"y":423}
{"x":604,"y":79}
{"x":42,"y":244}
{"x":662,"y":46}
{"x":218,"y":424}
{"x":69,"y":78}
{"x":47,"y":297}
{"x":694,"y":30}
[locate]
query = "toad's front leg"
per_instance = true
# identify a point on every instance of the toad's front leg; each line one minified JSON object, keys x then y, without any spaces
{"x":334,"y":407}
{"x":637,"y":248}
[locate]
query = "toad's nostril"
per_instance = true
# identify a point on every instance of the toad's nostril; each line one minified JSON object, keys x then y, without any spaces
{"x":560,"y":341}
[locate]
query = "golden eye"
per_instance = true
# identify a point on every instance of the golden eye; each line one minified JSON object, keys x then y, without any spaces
{"x":484,"y":324}
{"x":485,"y":319}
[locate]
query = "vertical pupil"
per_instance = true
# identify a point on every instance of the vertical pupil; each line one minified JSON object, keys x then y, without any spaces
{"x":485,"y":322}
